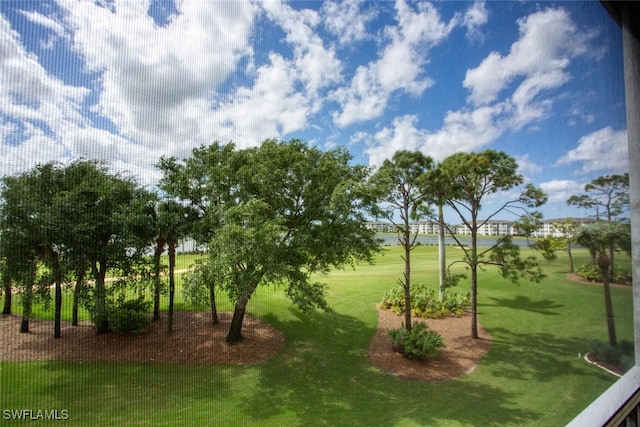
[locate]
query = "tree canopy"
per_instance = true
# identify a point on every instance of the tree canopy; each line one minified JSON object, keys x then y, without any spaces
{"x":275,"y":214}
{"x":608,"y":195}
{"x":76,"y":217}
{"x":25,"y":227}
{"x":549,"y":245}
{"x":471,"y":178}
{"x":397,"y":184}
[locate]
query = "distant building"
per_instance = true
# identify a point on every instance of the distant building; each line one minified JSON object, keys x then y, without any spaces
{"x":487,"y":228}
{"x":424,"y":227}
{"x":189,"y":245}
{"x":420,"y":227}
{"x":381,"y":227}
{"x":549,"y":226}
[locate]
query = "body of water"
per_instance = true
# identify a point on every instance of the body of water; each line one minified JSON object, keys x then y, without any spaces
{"x":392,"y":239}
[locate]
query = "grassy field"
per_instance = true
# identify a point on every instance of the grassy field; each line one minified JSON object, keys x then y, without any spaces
{"x":531,"y":376}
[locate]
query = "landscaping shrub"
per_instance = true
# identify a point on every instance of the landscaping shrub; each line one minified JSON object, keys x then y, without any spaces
{"x":425,"y":302}
{"x":622,"y":355}
{"x":623,"y":277}
{"x":419,"y":343}
{"x":393,"y":300}
{"x":592,"y":273}
{"x":130,"y":316}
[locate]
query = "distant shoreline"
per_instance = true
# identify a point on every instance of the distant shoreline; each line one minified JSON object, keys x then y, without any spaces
{"x":432,"y":239}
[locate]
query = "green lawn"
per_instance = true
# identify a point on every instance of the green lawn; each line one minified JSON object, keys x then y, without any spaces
{"x":531,"y":376}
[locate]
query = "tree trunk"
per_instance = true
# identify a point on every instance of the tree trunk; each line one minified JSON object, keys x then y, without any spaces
{"x":27,"y":300}
{"x":58,"y":310}
{"x":57,"y":296}
{"x":157,"y":285}
{"x":605,"y":264}
{"x":212,"y":299}
{"x":235,"y":329}
{"x":474,"y":280}
{"x":407,"y":276}
{"x":8,"y":292}
{"x":612,"y":251}
{"x":594,"y":255}
{"x":442,"y":257}
{"x":571,"y":268}
{"x":24,"y":325}
{"x":156,"y":278}
{"x":76,"y":296}
{"x":100,"y":295}
{"x":172,"y":284}
{"x":474,"y":302}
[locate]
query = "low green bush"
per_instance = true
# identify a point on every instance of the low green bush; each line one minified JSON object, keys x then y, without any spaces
{"x":621,"y":355}
{"x":130,"y":316}
{"x":592,"y":273}
{"x":419,"y":343}
{"x":425,"y":302}
{"x":393,"y":300}
{"x":623,"y":277}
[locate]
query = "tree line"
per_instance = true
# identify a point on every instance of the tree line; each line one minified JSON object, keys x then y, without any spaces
{"x":273,"y":214}
{"x":411,"y":185}
{"x":276,"y":214}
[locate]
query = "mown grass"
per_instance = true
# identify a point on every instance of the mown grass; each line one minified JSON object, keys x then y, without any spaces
{"x":531,"y":376}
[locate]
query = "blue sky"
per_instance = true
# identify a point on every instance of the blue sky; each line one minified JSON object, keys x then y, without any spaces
{"x":127,"y":82}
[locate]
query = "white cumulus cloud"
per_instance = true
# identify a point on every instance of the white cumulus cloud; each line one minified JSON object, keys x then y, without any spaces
{"x":560,"y":190}
{"x":548,"y":41}
{"x":538,"y":60}
{"x":603,"y":150}
{"x":151,"y":75}
{"x":347,"y":20}
{"x":399,"y":66}
{"x":474,"y":18}
{"x":34,"y":107}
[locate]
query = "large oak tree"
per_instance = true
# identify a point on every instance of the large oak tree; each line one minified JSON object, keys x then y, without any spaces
{"x":75,"y":218}
{"x":204,"y":184}
{"x":21,"y":237}
{"x":106,"y":228}
{"x":276,"y":214}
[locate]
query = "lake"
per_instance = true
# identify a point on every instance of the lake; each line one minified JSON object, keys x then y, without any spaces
{"x":392,"y":239}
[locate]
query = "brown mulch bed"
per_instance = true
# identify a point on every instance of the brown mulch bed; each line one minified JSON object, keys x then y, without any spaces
{"x":616,"y":369}
{"x":459,"y":357}
{"x":196,"y":340}
{"x":577,"y":278}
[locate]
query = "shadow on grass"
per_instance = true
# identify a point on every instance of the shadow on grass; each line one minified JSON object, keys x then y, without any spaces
{"x":325,"y":379}
{"x":520,"y":302}
{"x":100,"y":394}
{"x":536,"y":357}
